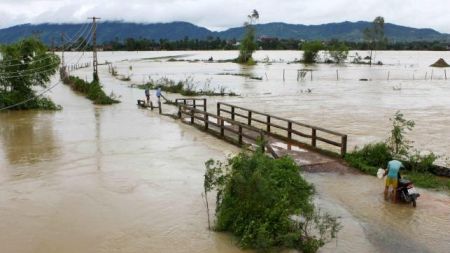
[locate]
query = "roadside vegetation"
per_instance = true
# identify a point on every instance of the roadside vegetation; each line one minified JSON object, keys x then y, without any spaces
{"x":92,"y":90}
{"x":186,"y":87}
{"x":419,"y":165}
{"x":25,"y":66}
{"x":266,"y":204}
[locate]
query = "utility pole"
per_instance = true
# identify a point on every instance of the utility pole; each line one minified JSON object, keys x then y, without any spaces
{"x":62,"y":49}
{"x":94,"y":46}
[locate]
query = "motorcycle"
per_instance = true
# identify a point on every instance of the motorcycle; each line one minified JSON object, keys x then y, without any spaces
{"x":406,"y":192}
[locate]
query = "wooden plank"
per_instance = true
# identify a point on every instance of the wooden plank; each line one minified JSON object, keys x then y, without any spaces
{"x":328,"y":141}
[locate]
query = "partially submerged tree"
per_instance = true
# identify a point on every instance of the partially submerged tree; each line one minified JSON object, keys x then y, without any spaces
{"x":338,"y":51}
{"x":267,"y":204}
{"x":311,"y":51}
{"x":374,"y":36}
{"x":23,"y":67}
{"x":248,"y":44}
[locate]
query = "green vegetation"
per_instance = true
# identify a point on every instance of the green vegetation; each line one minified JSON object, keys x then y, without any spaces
{"x":311,"y":51}
{"x":93,"y":90}
{"x":419,"y":166}
{"x":24,"y":66}
{"x":248,"y":45}
{"x":246,"y":75}
{"x":185,"y":87}
{"x":338,"y":52}
{"x":266,"y":204}
{"x":374,"y":36}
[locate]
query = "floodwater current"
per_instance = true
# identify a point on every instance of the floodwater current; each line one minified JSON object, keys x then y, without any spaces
{"x":120,"y":179}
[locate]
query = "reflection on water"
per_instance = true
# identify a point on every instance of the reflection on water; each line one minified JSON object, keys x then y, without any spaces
{"x":127,"y":180}
{"x":27,"y":138}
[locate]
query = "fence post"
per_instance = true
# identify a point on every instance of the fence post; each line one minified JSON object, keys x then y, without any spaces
{"x":268,"y":123}
{"x":206,"y":121}
{"x":232,"y":112}
{"x":343,"y":145}
{"x":240,"y":134}
{"x":193,"y":101}
{"x":313,"y":138}
{"x":159,"y":107}
{"x":218,"y":112}
{"x":222,"y":129}
{"x":249,"y":118}
{"x":204,"y":105}
{"x":337,"y":74}
{"x":290,"y":130}
{"x":179,"y":111}
{"x":192,"y":116}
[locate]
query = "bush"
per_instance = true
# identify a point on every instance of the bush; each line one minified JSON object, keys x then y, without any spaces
{"x":93,"y":90}
{"x":421,"y":163}
{"x":370,"y":157}
{"x":12,"y":98}
{"x":311,"y":51}
{"x":266,"y":203}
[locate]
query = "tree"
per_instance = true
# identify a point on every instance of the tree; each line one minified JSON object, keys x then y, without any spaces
{"x":311,"y":51}
{"x":248,"y":45}
{"x":397,"y":141}
{"x":25,"y":65}
{"x":267,"y":204}
{"x":338,"y":52}
{"x":374,"y":36}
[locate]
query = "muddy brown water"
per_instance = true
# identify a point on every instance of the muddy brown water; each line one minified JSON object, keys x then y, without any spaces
{"x":120,"y":179}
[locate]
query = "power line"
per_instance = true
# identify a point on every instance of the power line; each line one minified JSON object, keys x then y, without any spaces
{"x":33,"y":70}
{"x":38,"y":95}
{"x":71,"y":43}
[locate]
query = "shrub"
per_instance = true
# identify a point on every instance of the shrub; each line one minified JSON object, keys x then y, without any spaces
{"x":266,"y":203}
{"x":311,"y":51}
{"x":421,"y":163}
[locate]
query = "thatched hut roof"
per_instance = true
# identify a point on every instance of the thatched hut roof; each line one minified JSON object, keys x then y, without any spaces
{"x":440,"y":64}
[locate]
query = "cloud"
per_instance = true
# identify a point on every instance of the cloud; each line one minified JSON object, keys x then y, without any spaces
{"x":223,"y":14}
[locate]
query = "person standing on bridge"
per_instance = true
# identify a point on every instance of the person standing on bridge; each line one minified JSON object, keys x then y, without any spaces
{"x":158,"y":95}
{"x":392,"y":172}
{"x":147,"y":95}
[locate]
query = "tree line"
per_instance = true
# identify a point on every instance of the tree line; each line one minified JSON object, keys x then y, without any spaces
{"x":262,"y":43}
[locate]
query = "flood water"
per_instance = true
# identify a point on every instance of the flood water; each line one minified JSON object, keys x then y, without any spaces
{"x":119,"y":179}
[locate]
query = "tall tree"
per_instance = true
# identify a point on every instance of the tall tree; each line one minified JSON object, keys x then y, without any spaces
{"x":24,"y":66}
{"x":248,"y":44}
{"x":374,"y":36}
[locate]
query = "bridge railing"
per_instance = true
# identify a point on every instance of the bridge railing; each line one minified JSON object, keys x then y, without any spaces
{"x":289,"y":130}
{"x":194,"y":102}
{"x":223,"y":127}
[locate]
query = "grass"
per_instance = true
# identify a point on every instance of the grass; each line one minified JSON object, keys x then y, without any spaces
{"x":374,"y":156}
{"x":246,"y":75}
{"x":93,"y":90}
{"x":186,"y":87}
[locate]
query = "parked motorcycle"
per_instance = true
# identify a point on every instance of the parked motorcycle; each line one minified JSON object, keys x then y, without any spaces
{"x":406,"y":192}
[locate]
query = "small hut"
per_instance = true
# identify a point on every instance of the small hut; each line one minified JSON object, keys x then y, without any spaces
{"x":440,"y":64}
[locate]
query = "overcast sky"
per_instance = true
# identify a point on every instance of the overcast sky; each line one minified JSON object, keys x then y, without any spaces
{"x":223,"y":14}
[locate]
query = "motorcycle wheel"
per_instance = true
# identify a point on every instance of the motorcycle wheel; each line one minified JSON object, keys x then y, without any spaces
{"x":414,"y":202}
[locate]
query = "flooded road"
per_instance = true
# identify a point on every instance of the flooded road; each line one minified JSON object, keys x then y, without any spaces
{"x":119,"y":179}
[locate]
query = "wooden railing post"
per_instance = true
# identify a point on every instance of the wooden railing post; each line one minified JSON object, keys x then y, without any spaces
{"x":313,"y":137}
{"x":232,"y":112}
{"x":192,"y":116}
{"x":222,"y":128}
{"x":159,"y":107}
{"x":195,"y":106}
{"x":179,"y":111}
{"x":206,"y":121}
{"x":240,"y":134}
{"x":343,"y":145}
{"x":289,"y":130}
{"x":204,"y":105}
{"x":218,"y":112}
{"x":249,"y":118}
{"x":268,"y":123}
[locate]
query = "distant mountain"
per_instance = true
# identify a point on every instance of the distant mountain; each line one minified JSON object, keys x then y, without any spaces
{"x":108,"y":31}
